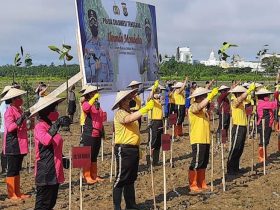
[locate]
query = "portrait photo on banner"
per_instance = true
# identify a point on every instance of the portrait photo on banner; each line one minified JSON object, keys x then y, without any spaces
{"x":119,"y":42}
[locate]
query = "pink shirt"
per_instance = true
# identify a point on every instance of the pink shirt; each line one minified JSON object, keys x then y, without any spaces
{"x":44,"y":145}
{"x":17,"y":142}
{"x":96,"y":118}
{"x":266,"y":104}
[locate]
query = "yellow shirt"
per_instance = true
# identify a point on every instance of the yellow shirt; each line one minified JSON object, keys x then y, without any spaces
{"x":156,"y":111}
{"x":138,"y":101}
{"x":199,"y":125}
{"x":171,"y":98}
{"x":238,"y":112}
{"x":128,"y":133}
{"x":180,"y":98}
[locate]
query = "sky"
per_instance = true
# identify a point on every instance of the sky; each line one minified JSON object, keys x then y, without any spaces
{"x":202,"y":25}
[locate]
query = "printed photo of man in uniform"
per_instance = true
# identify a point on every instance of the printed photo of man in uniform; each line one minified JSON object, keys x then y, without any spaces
{"x":98,"y":65}
{"x":150,"y":63}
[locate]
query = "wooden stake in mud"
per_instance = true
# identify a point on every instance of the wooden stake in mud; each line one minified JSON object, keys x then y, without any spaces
{"x":253,"y":142}
{"x":70,"y":179}
{"x":264,"y":153}
{"x":152,"y":170}
{"x":164,"y":172}
{"x":212,"y":162}
{"x":171,"y":145}
{"x":230,"y":133}
{"x":81,"y":186}
{"x":222,"y":152}
{"x":112,"y":157}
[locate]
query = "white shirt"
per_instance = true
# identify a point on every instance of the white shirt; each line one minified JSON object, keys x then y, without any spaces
{"x":3,"y":108}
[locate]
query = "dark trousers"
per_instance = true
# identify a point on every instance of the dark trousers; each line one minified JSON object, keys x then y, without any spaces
{"x":46,"y":197}
{"x":237,"y":146}
{"x":14,"y":164}
{"x":181,"y":111}
{"x":171,"y":109}
{"x":3,"y":157}
{"x":225,"y":126}
{"x":200,"y":156}
{"x":267,"y":134}
{"x":127,"y":160}
{"x":157,"y":130}
{"x":94,"y":143}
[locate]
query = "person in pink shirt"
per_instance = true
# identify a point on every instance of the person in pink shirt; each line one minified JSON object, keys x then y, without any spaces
{"x":48,"y":151}
{"x":15,"y":141}
{"x":93,"y":131}
{"x":265,"y":110}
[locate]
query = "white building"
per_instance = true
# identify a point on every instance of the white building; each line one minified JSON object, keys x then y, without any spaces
{"x":212,"y":60}
{"x":185,"y":55}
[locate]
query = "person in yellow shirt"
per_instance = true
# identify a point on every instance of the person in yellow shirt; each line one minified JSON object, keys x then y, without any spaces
{"x":180,"y":99}
{"x":127,"y":141}
{"x":171,"y":99}
{"x":137,"y":102}
{"x":156,"y":121}
{"x":199,"y":137}
{"x":239,"y":128}
{"x":82,"y":115}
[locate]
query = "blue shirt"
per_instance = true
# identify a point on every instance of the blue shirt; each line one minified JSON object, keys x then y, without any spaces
{"x":188,"y":100}
{"x":3,"y":108}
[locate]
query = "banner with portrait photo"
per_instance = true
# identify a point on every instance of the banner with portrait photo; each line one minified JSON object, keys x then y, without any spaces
{"x":119,"y":42}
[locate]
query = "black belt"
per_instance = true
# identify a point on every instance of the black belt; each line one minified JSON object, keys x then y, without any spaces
{"x":126,"y":145}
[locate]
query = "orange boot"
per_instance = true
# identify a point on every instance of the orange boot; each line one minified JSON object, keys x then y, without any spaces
{"x":93,"y":172}
{"x":260,"y":154}
{"x":175,"y":131}
{"x":193,"y":181}
{"x":11,"y":188}
{"x":17,"y":188}
{"x":201,"y":183}
{"x":87,"y":176}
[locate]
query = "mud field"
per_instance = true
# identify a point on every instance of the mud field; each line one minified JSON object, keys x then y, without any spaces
{"x":249,"y":191}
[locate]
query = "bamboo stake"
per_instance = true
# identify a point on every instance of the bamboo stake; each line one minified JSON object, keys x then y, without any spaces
{"x":264,"y":153}
{"x":81,"y":193}
{"x":164,"y":172}
{"x":171,"y":147}
{"x":222,"y":151}
{"x":112,"y":157}
{"x":212,"y":162}
{"x":253,"y":146}
{"x":70,"y":179}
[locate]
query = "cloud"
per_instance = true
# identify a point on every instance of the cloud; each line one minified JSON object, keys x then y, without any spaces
{"x":199,"y":24}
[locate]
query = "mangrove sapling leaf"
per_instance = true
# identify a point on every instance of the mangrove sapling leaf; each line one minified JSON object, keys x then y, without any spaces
{"x":54,"y":48}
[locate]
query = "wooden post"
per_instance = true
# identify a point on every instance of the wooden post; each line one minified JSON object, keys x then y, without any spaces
{"x":112,"y":156}
{"x":222,"y":152}
{"x":81,"y":186}
{"x":230,"y":133}
{"x":70,"y":179}
{"x":171,"y":149}
{"x":151,"y":168}
{"x":164,"y":172}
{"x":253,"y":142}
{"x":212,"y":162}
{"x":264,"y":153}
{"x":30,"y":151}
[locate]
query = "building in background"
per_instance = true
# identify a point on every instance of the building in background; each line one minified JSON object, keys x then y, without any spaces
{"x":212,"y":60}
{"x":184,"y":55}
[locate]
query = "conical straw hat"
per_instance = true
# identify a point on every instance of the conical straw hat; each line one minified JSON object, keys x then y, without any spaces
{"x":91,"y":89}
{"x":199,"y":91}
{"x":160,"y":86}
{"x":43,"y":103}
{"x":224,"y":87}
{"x":258,"y":85}
{"x":263,"y":91}
{"x":12,"y":93}
{"x":245,"y":84}
{"x":134,"y":83}
{"x":83,"y":88}
{"x":122,"y":95}
{"x":5,"y":90}
{"x":238,"y":89}
{"x":178,"y":85}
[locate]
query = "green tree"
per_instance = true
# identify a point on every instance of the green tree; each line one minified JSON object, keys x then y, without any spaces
{"x":271,"y":64}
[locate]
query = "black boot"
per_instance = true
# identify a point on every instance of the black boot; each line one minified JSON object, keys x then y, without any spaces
{"x":156,"y":157}
{"x":117,"y":197}
{"x":129,"y":197}
{"x":3,"y":163}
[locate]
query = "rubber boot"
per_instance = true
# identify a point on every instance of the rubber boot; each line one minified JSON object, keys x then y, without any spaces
{"x":129,"y":197}
{"x":11,"y":188}
{"x":117,"y":197}
{"x":180,"y":130}
{"x":87,"y":176}
{"x":156,"y":157}
{"x":261,"y":159}
{"x":17,"y":189}
{"x":201,"y":183}
{"x":93,"y":172}
{"x":193,"y":181}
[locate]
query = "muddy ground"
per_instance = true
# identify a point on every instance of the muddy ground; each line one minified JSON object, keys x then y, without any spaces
{"x":249,"y":191}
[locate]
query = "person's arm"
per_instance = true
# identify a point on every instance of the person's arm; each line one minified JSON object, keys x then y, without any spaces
{"x":10,"y":122}
{"x":43,"y":136}
{"x":43,"y":91}
{"x":241,"y":98}
{"x":208,"y":86}
{"x":184,"y":86}
{"x":205,"y":102}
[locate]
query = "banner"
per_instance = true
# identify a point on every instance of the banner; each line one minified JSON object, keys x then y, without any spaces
{"x":119,"y":42}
